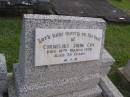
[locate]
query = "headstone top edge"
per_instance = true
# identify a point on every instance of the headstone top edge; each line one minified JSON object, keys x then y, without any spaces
{"x":60,"y":17}
{"x":2,"y":59}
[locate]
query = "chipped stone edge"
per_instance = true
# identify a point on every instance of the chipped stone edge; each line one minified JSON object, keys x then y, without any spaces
{"x":109,"y":89}
{"x":37,"y":16}
{"x":107,"y":58}
{"x":124,"y":73}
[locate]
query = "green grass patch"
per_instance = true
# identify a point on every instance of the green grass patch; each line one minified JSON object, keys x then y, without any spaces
{"x":9,"y":39}
{"x":118,"y":44}
{"x":123,"y":4}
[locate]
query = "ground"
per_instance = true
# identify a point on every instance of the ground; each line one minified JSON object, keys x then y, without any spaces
{"x":123,"y":4}
{"x":117,"y":42}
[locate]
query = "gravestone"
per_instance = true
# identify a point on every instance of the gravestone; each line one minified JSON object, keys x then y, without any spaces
{"x":125,"y":71}
{"x":3,"y":75}
{"x":61,"y":56}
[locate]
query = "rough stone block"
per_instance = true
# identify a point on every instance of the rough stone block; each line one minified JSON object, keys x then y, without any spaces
{"x":3,"y":74}
{"x":94,"y":92}
{"x":63,"y":71}
{"x":66,"y":74}
{"x":70,"y":70}
{"x":28,"y":70}
{"x":107,"y":59}
{"x":56,"y":87}
{"x":105,"y":70}
{"x":3,"y":68}
{"x":3,"y":86}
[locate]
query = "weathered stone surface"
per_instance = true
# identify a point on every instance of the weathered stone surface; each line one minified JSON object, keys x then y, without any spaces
{"x":3,"y":86}
{"x":73,"y":77}
{"x":108,"y":88}
{"x":3,"y":68}
{"x":3,"y":74}
{"x":94,"y":92}
{"x":57,"y":86}
{"x":27,"y":67}
{"x":64,"y":71}
{"x":107,"y":59}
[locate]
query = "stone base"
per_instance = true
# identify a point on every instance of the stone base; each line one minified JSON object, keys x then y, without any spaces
{"x":124,"y":74}
{"x":105,"y":89}
{"x":83,"y":84}
{"x":84,"y":77}
{"x":51,"y":88}
{"x":94,"y":92}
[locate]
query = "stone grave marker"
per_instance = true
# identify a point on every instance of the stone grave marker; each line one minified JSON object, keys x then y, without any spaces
{"x":59,"y":46}
{"x":61,"y":56}
{"x":3,"y":75}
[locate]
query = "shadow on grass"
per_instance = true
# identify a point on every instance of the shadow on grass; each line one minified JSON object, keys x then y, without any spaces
{"x":121,"y":83}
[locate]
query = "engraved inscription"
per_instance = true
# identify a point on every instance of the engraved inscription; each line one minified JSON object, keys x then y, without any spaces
{"x":57,"y":46}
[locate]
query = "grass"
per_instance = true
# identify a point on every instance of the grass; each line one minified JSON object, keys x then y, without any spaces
{"x":118,"y":44}
{"x":9,"y":39}
{"x":123,"y":4}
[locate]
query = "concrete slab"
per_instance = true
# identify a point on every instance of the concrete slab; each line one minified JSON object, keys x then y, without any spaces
{"x":94,"y":92}
{"x":124,"y":74}
{"x":108,"y":88}
{"x":90,"y":8}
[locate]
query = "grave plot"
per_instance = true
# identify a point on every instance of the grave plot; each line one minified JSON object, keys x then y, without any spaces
{"x":62,"y":56}
{"x":90,"y":8}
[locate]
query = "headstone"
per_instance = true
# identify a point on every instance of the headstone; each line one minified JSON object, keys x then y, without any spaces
{"x":61,"y":56}
{"x":3,"y":75}
{"x":125,"y":71}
